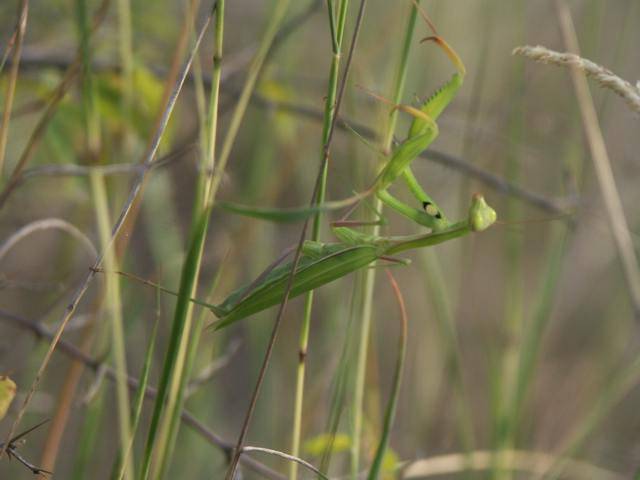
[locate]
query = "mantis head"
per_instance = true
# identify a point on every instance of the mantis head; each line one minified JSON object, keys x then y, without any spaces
{"x":481,"y":215}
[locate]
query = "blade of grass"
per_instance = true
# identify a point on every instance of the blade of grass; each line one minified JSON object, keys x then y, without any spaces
{"x":183,"y":386}
{"x":390,"y":412}
{"x":113,"y":309}
{"x":337,"y":27}
{"x":369,"y":279}
{"x":211,"y":187}
{"x":166,"y":413}
{"x":141,"y":390}
{"x":283,"y":305}
{"x":343,"y":378}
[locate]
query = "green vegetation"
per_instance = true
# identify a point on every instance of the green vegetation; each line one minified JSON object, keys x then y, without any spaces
{"x":173,"y":175}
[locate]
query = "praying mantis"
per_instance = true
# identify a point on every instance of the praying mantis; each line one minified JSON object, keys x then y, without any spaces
{"x":322,"y":263}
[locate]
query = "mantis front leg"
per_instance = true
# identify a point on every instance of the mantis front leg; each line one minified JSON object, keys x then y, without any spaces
{"x":422,"y":133}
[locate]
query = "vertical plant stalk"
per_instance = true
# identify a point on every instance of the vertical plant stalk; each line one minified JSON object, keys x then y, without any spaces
{"x":140,"y":393}
{"x":13,"y":79}
{"x":189,"y":343}
{"x":169,"y":392}
{"x":113,"y":308}
{"x":337,"y":35}
{"x":201,"y":221}
{"x":602,"y":165}
{"x":390,"y":412}
{"x":133,"y":194}
{"x":369,"y":278}
{"x":162,"y":446}
{"x":513,"y":321}
{"x":73,"y":374}
{"x":237,"y":452}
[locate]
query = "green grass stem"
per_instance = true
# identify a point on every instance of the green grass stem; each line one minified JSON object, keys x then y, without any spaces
{"x":113,"y":309}
{"x":337,"y":27}
{"x":369,"y":279}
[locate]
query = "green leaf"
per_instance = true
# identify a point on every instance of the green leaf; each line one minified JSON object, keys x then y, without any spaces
{"x":7,"y":392}
{"x":390,"y":463}
{"x":294,"y":214}
{"x":281,"y":215}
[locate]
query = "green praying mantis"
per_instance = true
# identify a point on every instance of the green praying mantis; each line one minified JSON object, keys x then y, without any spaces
{"x":322,"y":263}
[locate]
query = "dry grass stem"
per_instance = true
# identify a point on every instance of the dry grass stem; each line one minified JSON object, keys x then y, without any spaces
{"x":524,"y":461}
{"x":606,"y":78}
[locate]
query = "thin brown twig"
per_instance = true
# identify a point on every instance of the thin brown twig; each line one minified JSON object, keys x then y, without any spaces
{"x":296,"y":260}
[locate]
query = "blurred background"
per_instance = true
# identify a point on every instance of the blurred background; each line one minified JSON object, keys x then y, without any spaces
{"x":521,"y":338}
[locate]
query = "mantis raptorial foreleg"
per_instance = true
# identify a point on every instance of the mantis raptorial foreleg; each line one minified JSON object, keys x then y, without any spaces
{"x":422,"y":133}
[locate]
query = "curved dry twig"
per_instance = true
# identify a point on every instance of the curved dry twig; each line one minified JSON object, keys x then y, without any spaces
{"x":286,"y":456}
{"x":47,"y":224}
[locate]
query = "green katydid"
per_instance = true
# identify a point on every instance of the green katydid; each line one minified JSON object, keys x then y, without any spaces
{"x":422,"y":133}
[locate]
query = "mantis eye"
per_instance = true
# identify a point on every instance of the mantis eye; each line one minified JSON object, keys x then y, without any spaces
{"x":431,"y":209}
